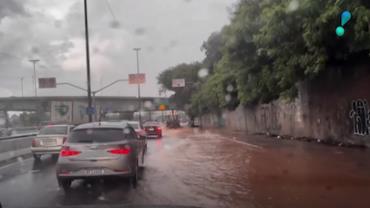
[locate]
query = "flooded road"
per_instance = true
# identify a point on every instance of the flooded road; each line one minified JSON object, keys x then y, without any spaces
{"x":205,"y":169}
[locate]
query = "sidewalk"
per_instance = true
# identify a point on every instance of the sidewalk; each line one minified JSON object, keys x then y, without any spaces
{"x":243,"y":136}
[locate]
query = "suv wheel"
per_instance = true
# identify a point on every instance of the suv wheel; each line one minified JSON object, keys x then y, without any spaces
{"x":37,"y":157}
{"x":134,"y":179}
{"x":65,"y":184}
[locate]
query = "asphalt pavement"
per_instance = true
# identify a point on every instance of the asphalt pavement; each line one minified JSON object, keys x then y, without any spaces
{"x":205,"y":169}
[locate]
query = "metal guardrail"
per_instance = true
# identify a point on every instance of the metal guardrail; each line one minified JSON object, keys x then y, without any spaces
{"x":17,"y":136}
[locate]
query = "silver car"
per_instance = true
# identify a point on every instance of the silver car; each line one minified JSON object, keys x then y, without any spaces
{"x":140,"y":132}
{"x":97,"y":150}
{"x":50,"y":140}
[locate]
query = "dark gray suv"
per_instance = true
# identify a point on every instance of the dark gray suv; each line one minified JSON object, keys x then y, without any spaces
{"x":97,"y":150}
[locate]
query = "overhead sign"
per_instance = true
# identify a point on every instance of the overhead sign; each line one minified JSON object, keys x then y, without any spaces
{"x":136,"y":78}
{"x":49,"y":82}
{"x":178,"y":83}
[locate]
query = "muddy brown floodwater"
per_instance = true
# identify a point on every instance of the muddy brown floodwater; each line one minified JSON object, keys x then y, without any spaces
{"x":210,"y":170}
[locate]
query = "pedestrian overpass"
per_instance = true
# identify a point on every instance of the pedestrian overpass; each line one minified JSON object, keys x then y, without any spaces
{"x":74,"y":108}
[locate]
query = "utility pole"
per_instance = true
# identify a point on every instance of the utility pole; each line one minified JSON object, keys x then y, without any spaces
{"x":88,"y":64}
{"x":34,"y":61}
{"x":138,"y":86}
{"x":22,"y":85}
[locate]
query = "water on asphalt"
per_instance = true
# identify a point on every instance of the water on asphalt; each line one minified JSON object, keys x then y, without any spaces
{"x":189,"y":167}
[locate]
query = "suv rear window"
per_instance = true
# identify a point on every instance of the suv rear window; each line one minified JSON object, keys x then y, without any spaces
{"x":48,"y":130}
{"x":99,"y":135}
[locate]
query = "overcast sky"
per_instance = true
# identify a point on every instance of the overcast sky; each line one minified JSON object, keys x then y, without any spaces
{"x":168,"y":31}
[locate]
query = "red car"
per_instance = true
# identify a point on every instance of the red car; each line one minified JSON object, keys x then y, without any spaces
{"x":153,"y":129}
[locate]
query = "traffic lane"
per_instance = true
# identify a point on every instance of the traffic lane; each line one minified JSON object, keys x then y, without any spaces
{"x":35,"y":183}
{"x":189,"y":167}
{"x":181,"y":169}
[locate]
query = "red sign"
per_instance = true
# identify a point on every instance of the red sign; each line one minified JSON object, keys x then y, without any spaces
{"x":136,"y":78}
{"x":47,"y":83}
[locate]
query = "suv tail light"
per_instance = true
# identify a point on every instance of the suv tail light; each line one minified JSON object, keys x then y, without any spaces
{"x":124,"y":150}
{"x":67,"y":152}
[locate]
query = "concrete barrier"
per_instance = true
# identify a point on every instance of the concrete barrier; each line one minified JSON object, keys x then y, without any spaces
{"x":15,"y":147}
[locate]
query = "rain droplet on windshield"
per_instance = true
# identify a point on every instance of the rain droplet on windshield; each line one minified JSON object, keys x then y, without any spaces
{"x":293,"y":5}
{"x":227,"y":98}
{"x":126,"y":131}
{"x":230,"y":88}
{"x":148,"y":104}
{"x":140,"y":31}
{"x":202,"y":73}
{"x":101,"y":198}
{"x":20,"y":160}
{"x":114,"y":24}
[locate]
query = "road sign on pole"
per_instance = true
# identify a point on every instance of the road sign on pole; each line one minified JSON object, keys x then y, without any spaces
{"x":49,"y":82}
{"x":136,"y":78}
{"x":177,"y":83}
{"x":162,"y":107}
{"x":90,"y":110}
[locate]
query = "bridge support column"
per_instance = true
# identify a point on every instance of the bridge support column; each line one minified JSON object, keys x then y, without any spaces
{"x":6,"y":118}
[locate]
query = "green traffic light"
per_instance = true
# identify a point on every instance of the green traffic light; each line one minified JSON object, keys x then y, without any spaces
{"x":339,"y":31}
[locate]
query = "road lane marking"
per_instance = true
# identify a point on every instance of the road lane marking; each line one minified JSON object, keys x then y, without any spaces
{"x":245,"y":143}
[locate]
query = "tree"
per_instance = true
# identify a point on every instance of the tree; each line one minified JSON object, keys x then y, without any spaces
{"x":189,"y":72}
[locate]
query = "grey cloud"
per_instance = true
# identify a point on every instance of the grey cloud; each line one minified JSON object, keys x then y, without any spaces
{"x":10,"y":8}
{"x":180,"y":27}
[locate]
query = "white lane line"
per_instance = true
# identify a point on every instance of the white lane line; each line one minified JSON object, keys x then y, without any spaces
{"x":245,"y":143}
{"x":234,"y":139}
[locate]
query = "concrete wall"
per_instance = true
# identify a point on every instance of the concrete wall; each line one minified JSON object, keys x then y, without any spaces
{"x":335,"y":107}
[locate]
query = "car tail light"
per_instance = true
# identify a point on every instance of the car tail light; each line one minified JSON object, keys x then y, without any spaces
{"x":124,"y":150}
{"x":34,"y":142}
{"x":67,"y":152}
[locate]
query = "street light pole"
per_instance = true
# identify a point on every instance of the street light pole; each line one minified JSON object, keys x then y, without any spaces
{"x":34,"y":61}
{"x":88,"y":63}
{"x":138,"y":86}
{"x":22,"y":85}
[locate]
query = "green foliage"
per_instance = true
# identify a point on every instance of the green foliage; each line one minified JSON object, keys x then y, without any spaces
{"x":271,"y":45}
{"x":189,"y":72}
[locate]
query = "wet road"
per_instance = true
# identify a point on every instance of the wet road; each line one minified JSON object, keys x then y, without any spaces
{"x":204,"y":169}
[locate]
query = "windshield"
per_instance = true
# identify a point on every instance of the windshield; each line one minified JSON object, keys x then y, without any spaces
{"x":97,"y":135}
{"x":53,"y":130}
{"x":229,"y":103}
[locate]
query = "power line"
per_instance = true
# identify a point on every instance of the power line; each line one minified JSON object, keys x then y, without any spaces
{"x":110,"y":10}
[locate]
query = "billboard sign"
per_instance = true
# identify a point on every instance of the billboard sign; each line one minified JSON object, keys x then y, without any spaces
{"x":176,"y":83}
{"x":61,"y":111}
{"x":136,"y":78}
{"x":49,"y":82}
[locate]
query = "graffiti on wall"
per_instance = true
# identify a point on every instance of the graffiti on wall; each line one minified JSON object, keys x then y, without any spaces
{"x":360,"y":116}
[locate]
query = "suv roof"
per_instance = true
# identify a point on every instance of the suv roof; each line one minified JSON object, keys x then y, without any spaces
{"x":120,"y":125}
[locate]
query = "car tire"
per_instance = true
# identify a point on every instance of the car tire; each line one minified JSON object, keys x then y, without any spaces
{"x":37,"y":157}
{"x":54,"y":157}
{"x":65,"y":184}
{"x":135,"y":177}
{"x":142,"y":160}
